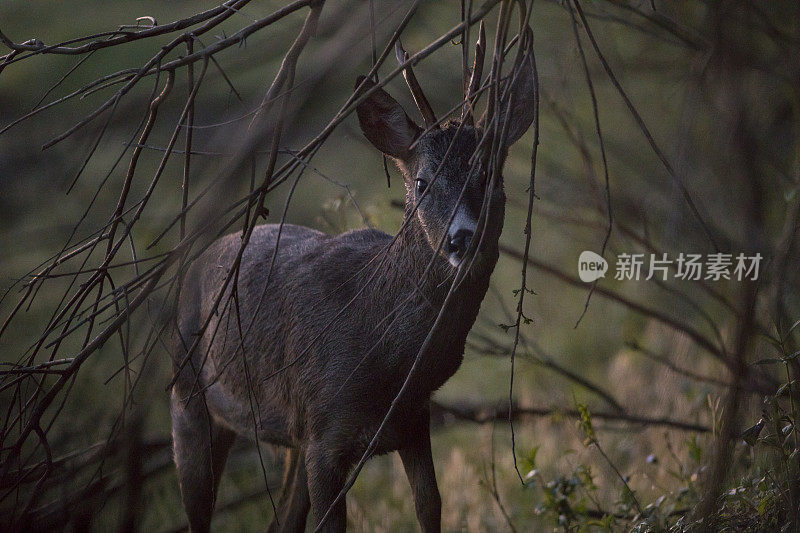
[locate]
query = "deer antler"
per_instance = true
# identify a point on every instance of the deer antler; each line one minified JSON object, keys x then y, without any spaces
{"x":475,"y":78}
{"x":416,"y":91}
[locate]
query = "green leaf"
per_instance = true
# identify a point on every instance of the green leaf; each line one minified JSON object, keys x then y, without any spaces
{"x":585,"y":424}
{"x":750,"y":435}
{"x":529,"y":461}
{"x":764,"y":503}
{"x":695,"y":451}
{"x":783,"y":388}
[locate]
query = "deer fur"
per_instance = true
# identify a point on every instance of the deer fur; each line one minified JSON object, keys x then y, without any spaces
{"x":336,"y":326}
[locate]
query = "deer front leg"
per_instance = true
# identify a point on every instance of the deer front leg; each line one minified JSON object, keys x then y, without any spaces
{"x":418,"y":463}
{"x":327,"y":473}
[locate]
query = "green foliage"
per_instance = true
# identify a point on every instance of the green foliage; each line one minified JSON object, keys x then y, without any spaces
{"x":767,"y":494}
{"x":571,"y":500}
{"x":585,"y":423}
{"x":763,"y":494}
{"x":695,"y":451}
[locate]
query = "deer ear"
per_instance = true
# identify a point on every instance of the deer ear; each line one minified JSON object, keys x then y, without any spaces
{"x":523,"y":105}
{"x":384,"y":122}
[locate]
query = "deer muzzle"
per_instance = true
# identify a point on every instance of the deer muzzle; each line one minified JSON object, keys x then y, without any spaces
{"x":459,"y":236}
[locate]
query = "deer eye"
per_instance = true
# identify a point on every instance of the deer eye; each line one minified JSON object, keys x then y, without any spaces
{"x":420,"y":185}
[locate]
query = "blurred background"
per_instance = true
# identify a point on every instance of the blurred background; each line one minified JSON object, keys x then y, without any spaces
{"x":630,"y":419}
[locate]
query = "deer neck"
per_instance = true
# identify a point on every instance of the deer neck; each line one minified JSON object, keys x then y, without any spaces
{"x":428,"y":277}
{"x":432,"y":275}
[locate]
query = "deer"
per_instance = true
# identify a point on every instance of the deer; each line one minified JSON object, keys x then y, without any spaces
{"x":339,"y":320}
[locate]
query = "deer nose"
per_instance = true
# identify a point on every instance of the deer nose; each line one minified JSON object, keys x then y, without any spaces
{"x":459,"y":241}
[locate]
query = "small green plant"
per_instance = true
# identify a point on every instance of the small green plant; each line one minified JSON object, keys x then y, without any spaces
{"x":763,"y":494}
{"x":570,"y":500}
{"x":766,"y":496}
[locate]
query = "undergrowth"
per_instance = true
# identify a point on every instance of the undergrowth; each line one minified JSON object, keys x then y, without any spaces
{"x":761,"y":494}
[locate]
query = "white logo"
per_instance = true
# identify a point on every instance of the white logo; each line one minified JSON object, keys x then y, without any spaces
{"x":591,"y":266}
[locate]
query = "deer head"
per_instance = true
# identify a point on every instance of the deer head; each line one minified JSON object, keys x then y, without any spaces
{"x":446,"y":167}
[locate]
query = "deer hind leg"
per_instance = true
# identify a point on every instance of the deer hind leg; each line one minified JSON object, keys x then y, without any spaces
{"x":200,"y":448}
{"x":294,"y":502}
